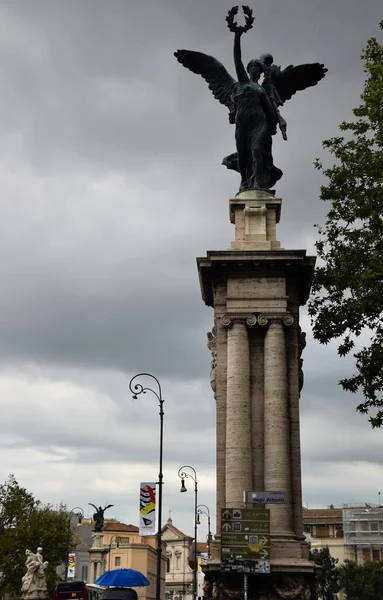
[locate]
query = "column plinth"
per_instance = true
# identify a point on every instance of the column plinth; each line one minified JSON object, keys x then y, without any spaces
{"x":255,"y":214}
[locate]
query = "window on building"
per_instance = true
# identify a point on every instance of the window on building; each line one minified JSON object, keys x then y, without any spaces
{"x":307,"y":528}
{"x":366,"y":554}
{"x":374,"y":526}
{"x":339,"y":531}
{"x":322,"y":531}
{"x":117,"y":561}
{"x":375,"y":554}
{"x":168,"y":565}
{"x":363,"y":526}
{"x":84,"y":572}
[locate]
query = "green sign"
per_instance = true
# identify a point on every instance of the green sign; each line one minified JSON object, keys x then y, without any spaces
{"x":245,"y":514}
{"x":245,"y":534}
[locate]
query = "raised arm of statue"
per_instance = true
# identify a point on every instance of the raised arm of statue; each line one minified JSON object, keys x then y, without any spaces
{"x":242,"y":75}
{"x":238,"y":30}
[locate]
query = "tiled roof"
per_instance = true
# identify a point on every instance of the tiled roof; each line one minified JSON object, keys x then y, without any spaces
{"x":314,"y":514}
{"x":201,"y":547}
{"x":120,"y":527}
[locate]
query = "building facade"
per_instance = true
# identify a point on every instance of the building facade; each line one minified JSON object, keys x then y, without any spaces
{"x":351,"y":532}
{"x":363,"y":532}
{"x":122,"y":547}
{"x":324,"y":527}
{"x":129,"y":550}
{"x":179,"y":574}
{"x":180,"y":562}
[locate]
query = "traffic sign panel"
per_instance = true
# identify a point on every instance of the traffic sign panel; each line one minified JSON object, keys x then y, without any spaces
{"x":245,"y":528}
{"x":245,"y":535}
{"x":242,"y":540}
{"x":252,"y":497}
{"x":245,"y":514}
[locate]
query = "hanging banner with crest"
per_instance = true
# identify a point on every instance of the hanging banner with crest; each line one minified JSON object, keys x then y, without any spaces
{"x":147,"y":508}
{"x":71,"y":566}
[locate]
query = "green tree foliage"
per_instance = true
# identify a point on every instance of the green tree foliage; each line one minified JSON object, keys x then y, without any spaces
{"x":27,"y":524}
{"x":326,"y":575}
{"x":347,"y":301}
{"x":362,"y":581}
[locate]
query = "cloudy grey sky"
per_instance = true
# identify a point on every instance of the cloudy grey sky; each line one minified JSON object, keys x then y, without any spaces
{"x":111,"y":185}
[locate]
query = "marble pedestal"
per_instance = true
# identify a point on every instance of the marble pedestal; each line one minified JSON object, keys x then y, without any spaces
{"x":35,"y":595}
{"x":256,"y":289}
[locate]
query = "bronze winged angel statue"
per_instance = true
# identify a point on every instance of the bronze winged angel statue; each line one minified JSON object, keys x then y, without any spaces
{"x":253,"y":106}
{"x":98,"y":516}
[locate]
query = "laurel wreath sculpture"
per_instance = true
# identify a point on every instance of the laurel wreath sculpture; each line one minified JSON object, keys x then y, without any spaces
{"x":249,"y":20}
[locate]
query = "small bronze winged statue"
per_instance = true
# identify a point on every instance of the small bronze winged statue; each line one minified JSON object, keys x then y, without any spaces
{"x":253,"y":107}
{"x":98,"y":516}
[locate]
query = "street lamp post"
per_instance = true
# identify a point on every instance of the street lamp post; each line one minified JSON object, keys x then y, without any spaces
{"x":136,"y":391}
{"x":80,"y":515}
{"x":200,"y":511}
{"x":117,"y":538}
{"x":183,"y":475}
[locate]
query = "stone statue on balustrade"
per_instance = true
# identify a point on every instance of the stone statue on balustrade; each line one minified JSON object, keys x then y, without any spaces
{"x":253,"y":106}
{"x":34,"y":585}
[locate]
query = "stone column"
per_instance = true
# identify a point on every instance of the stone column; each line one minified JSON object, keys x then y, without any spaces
{"x":220,"y":396}
{"x":257,"y":405}
{"x":277,"y":422}
{"x":238,"y":411}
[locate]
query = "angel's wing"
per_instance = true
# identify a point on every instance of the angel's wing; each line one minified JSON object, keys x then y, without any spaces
{"x":293,"y":79}
{"x":109,"y":506}
{"x":93,"y":506}
{"x":221,"y":83}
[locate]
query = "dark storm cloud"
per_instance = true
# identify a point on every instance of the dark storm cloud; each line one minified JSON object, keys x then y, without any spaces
{"x":66,"y":413}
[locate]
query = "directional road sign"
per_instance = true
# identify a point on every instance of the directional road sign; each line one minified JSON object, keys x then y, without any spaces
{"x":252,"y":497}
{"x":245,"y":538}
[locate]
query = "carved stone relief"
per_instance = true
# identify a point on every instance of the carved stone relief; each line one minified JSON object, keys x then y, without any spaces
{"x":212,"y":345}
{"x":291,"y":588}
{"x":301,"y":347}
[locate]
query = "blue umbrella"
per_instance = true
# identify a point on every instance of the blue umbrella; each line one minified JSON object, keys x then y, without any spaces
{"x":123,"y":578}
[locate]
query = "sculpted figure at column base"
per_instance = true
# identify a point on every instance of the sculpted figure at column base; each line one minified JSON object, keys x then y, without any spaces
{"x":277,"y":586}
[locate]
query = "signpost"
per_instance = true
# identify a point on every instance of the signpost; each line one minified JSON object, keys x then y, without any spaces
{"x":251,"y":497}
{"x":245,"y":540}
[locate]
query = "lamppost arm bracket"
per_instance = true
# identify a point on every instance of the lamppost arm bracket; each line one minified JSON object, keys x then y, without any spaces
{"x":138,"y":388}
